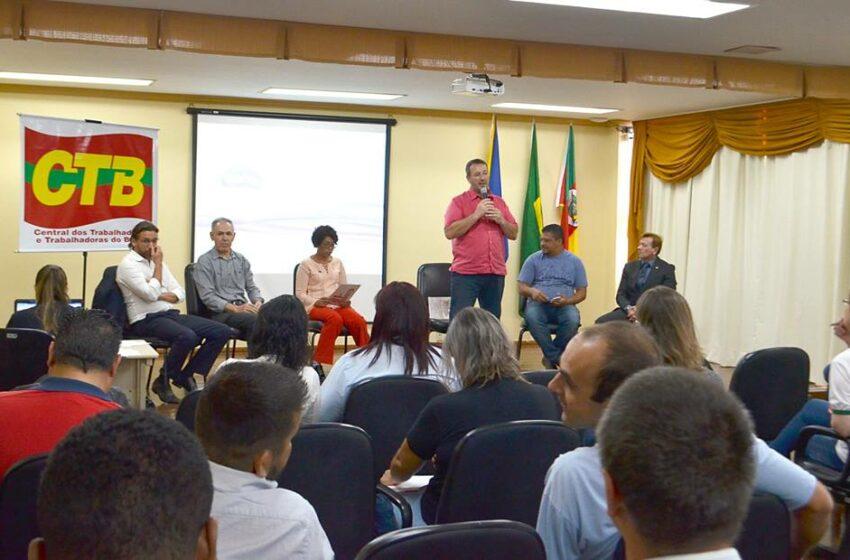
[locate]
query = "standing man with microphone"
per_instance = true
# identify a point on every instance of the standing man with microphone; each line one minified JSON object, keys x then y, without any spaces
{"x":475,"y":222}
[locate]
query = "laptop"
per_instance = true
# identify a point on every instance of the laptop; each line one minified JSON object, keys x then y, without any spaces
{"x":21,"y":304}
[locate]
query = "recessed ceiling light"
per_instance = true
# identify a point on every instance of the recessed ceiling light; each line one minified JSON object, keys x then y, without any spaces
{"x":555,"y":108}
{"x":331,"y":94}
{"x":63,"y":78}
{"x":702,"y":9}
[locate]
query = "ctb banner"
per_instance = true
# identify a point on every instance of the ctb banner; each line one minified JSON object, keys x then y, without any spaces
{"x":85,"y":184}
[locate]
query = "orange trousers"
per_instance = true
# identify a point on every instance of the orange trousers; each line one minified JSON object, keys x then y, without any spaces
{"x":334,"y":320}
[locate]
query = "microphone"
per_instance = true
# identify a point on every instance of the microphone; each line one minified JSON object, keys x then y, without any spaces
{"x":485,"y":192}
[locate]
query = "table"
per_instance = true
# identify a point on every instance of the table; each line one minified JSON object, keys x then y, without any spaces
{"x":137,"y":356}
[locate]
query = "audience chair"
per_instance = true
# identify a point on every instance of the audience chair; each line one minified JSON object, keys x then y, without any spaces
{"x":386,"y":407}
{"x":766,"y":532}
{"x":773,"y":384}
{"x":315,"y":327}
{"x":18,"y":493}
{"x":498,"y":471}
{"x":196,"y":306}
{"x":23,"y":356}
{"x":767,"y":529}
{"x":543,"y":377}
{"x":331,"y":466}
{"x":434,"y":280}
{"x":186,"y":410}
{"x":838,"y":482}
{"x":473,"y":540}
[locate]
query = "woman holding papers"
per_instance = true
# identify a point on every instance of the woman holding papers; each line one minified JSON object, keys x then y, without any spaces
{"x":317,"y":279}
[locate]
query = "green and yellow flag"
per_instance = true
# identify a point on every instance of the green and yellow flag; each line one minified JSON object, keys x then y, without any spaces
{"x":532,"y":213}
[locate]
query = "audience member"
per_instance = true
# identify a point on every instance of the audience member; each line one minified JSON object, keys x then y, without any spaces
{"x":399,"y":346}
{"x":554,"y":281}
{"x":126,"y":484}
{"x":834,"y":413}
{"x":572,"y":521}
{"x":82,"y":362}
{"x":493,"y":391}
{"x":51,"y":296}
{"x":149,"y":291}
{"x":225,"y":282}
{"x":678,"y":469}
{"x":317,"y":279}
{"x":247,"y":416}
{"x":666,"y":315}
{"x":280,"y":337}
{"x":640,"y":275}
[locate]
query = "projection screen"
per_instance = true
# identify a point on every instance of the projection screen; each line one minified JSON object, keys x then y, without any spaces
{"x":279,"y":176}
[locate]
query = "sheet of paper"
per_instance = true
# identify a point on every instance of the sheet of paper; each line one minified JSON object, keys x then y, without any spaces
{"x":416,"y":483}
{"x":438,"y":308}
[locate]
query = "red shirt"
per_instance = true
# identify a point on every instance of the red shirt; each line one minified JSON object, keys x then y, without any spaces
{"x":481,"y":250}
{"x":34,"y":420}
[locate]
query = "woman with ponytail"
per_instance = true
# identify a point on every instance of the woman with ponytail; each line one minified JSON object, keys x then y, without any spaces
{"x":51,"y":296}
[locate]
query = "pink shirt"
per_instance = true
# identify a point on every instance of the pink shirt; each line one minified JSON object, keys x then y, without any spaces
{"x":481,"y":250}
{"x":314,"y":281}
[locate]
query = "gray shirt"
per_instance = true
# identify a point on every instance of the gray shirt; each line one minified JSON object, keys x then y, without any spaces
{"x":225,"y":280}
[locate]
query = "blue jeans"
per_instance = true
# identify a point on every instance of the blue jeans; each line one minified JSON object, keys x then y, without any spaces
{"x":538,"y":317}
{"x":486,"y":288}
{"x":819,"y":449}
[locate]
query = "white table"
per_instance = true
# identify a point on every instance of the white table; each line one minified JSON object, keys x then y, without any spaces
{"x":137,"y":356}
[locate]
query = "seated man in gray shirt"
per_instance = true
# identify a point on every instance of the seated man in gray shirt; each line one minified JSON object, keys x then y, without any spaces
{"x":554,"y":281}
{"x":225,"y":282}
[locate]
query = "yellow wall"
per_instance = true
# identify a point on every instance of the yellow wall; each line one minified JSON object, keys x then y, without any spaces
{"x":427,"y":169}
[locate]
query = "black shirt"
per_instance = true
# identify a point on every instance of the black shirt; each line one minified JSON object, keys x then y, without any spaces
{"x":447,"y":418}
{"x":29,"y":319}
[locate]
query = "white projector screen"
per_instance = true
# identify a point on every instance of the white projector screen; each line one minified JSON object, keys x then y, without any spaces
{"x":277,"y":177}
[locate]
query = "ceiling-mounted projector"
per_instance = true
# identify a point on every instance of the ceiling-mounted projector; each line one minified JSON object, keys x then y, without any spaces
{"x":477,"y":84}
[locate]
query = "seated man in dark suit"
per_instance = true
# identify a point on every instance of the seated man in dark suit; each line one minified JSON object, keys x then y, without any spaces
{"x":640,"y":275}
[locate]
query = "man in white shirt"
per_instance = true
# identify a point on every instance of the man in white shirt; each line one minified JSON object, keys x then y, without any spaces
{"x":246,"y":418}
{"x":573,"y":521}
{"x":678,"y":470}
{"x":149,"y":291}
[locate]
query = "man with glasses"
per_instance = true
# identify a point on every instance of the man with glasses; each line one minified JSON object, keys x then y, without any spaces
{"x":477,"y":222}
{"x":573,"y":520}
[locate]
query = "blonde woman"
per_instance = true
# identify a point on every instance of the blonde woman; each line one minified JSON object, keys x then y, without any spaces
{"x":665,"y":313}
{"x":478,"y":349}
{"x":51,"y":296}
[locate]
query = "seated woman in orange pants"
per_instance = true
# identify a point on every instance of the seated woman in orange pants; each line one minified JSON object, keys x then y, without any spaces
{"x":317,"y":278}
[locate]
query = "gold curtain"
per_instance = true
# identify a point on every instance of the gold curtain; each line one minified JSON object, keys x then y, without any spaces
{"x":676,"y":149}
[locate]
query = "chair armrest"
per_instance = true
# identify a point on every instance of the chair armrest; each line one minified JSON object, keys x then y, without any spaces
{"x":398,"y":500}
{"x":807,"y":433}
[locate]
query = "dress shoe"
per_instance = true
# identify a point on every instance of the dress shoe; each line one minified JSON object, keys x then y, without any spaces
{"x":162,"y":389}
{"x":189,"y":384}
